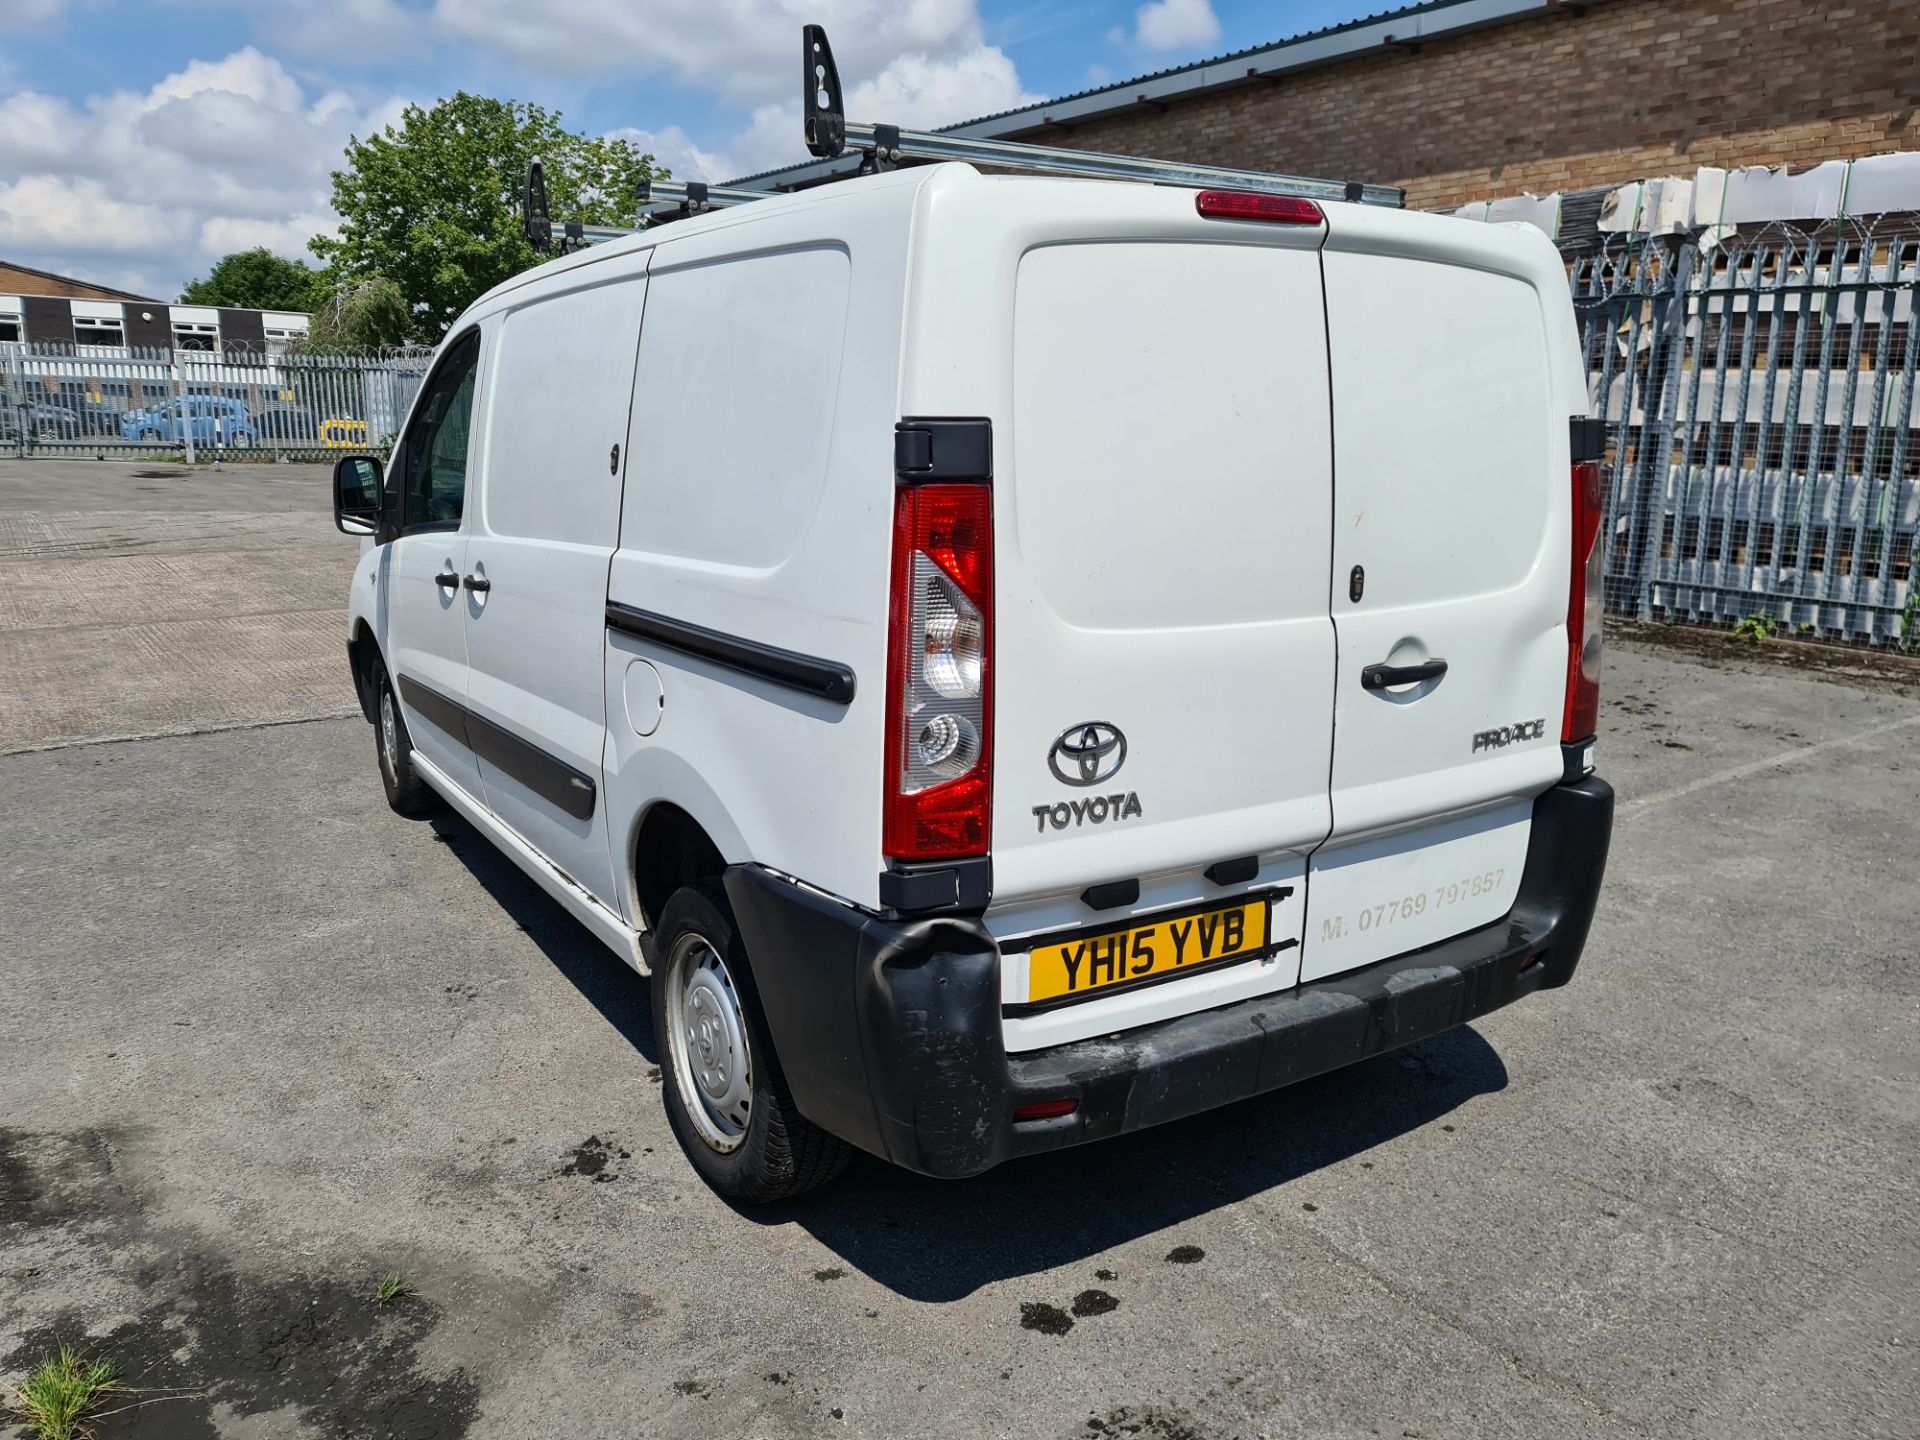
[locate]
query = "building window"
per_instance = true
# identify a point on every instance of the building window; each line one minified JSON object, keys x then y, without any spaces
{"x":90,"y":331}
{"x":279,"y":341}
{"x":195,"y":335}
{"x":9,"y":329}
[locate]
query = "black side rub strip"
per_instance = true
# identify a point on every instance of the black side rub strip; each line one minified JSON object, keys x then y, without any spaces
{"x":827,"y":679}
{"x":553,"y":780}
{"x":437,"y":709}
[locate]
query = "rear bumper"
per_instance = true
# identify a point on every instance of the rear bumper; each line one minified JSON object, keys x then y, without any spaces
{"x":888,"y":1032}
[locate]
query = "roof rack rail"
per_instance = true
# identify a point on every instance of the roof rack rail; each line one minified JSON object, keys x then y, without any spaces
{"x":692,"y":197}
{"x":829,"y":135}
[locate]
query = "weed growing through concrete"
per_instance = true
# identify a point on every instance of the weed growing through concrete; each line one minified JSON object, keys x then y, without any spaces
{"x":55,"y":1399}
{"x":395,"y":1287}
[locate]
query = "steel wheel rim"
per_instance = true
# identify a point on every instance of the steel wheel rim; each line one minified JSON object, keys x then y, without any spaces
{"x":389,"y":734}
{"x":707,"y":1038}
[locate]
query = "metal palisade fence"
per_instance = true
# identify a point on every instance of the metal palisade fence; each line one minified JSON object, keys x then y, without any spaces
{"x":201,"y":404}
{"x":1764,"y":428}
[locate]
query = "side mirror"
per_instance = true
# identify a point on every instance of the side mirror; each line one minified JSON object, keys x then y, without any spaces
{"x":357,"y":482}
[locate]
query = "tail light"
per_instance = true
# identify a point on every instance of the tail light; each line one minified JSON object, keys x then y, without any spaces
{"x":940,"y":673}
{"x":1585,"y":601}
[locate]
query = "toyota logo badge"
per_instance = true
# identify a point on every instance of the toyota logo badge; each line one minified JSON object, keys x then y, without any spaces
{"x":1087,"y":754}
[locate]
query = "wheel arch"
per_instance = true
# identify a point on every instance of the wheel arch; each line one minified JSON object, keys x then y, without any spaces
{"x":363,"y":656}
{"x":671,"y":849}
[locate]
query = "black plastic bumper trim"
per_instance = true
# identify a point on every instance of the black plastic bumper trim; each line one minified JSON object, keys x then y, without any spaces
{"x":942,"y":887}
{"x":808,"y":674}
{"x":889,"y":1032}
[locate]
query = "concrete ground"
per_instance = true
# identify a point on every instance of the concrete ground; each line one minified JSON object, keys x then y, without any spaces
{"x":147,"y":598}
{"x":265,"y":1041}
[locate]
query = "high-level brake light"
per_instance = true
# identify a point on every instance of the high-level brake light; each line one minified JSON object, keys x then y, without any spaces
{"x":1246,"y":205}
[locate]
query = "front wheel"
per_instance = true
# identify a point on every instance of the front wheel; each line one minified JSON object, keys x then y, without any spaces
{"x":726,"y":1099}
{"x":407,"y":793}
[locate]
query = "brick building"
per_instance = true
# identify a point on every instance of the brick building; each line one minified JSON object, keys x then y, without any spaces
{"x":46,"y":309}
{"x":1466,"y":100}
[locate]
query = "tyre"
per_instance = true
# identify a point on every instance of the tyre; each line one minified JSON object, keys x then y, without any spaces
{"x":150,"y":437}
{"x":407,"y":793}
{"x":239,"y":440}
{"x":726,"y":1099}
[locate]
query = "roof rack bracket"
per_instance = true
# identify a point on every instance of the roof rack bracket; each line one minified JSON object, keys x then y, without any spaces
{"x":536,"y":223}
{"x":821,"y":100}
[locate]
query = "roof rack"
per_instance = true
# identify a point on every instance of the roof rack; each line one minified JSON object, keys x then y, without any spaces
{"x":829,"y":135}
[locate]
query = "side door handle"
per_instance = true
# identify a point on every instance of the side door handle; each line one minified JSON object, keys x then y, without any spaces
{"x":1382,"y":677}
{"x":447,"y":578}
{"x":479,"y":584}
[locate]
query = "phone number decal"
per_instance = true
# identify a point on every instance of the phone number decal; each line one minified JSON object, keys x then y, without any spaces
{"x":1407,"y":907}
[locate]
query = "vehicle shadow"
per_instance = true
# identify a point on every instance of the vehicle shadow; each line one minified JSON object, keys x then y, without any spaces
{"x":610,"y":986}
{"x":940,"y":1240}
{"x":937,"y":1240}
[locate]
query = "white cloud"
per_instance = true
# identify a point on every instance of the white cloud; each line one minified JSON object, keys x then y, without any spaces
{"x":221,"y":155}
{"x":30,"y":14}
{"x":910,"y":62}
{"x":48,"y":212}
{"x":237,"y":151}
{"x":376,"y":27}
{"x":1176,"y":25}
{"x":676,"y":150}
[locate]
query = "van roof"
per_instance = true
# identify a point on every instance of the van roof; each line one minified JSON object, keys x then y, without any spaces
{"x":773,"y":206}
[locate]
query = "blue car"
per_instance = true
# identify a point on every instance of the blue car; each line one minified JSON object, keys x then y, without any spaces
{"x":213,"y":421}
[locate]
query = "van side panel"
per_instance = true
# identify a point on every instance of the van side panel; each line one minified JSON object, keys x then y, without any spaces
{"x":758,"y":507}
{"x":561,"y":367}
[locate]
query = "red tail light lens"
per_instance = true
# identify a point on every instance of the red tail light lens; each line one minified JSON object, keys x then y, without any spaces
{"x":1585,"y":602}
{"x":940,"y":673}
{"x":1240,"y":205}
{"x":1044,"y":1110}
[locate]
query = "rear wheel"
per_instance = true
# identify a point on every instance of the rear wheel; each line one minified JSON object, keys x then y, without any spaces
{"x":407,"y":793}
{"x":239,"y":440}
{"x":726,"y":1099}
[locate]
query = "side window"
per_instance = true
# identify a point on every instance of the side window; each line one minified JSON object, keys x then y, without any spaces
{"x":433,"y":457}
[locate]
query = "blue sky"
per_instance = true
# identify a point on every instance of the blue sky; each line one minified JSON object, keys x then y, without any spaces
{"x":142,"y":139}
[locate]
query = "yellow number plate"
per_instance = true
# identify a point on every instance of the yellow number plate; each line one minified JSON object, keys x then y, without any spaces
{"x":1105,"y":960}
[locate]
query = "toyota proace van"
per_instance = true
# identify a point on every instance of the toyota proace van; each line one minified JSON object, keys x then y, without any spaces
{"x":1016,"y":660}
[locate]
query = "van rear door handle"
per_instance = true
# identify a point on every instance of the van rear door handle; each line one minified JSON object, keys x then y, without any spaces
{"x":448,"y":579}
{"x":479,"y":584}
{"x":1382,"y":677}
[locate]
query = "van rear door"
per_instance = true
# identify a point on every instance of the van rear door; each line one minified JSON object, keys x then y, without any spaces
{"x":1164,"y":656}
{"x":1451,"y":347}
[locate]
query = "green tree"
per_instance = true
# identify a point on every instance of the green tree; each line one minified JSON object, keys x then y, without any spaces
{"x":434,"y":203}
{"x":257,"y":279}
{"x":360,"y":315}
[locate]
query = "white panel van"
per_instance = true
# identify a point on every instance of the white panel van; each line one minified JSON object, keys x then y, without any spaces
{"x":1014,"y":659}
